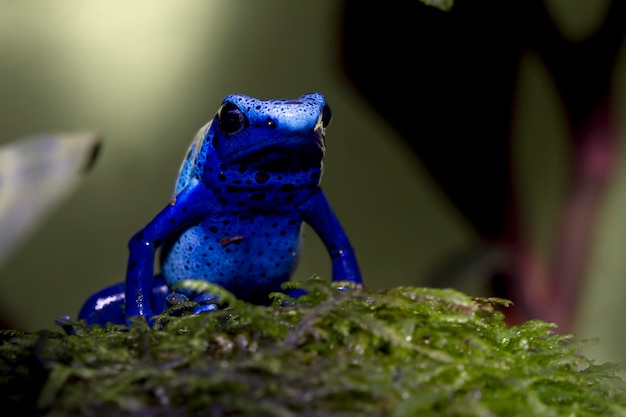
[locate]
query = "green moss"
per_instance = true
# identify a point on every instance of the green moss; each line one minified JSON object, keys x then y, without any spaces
{"x":337,"y":351}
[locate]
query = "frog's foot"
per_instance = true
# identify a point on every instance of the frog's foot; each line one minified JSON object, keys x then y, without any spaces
{"x":178,"y":304}
{"x":341,"y":286}
{"x":293,"y":293}
{"x":108,"y":304}
{"x":105,"y":306}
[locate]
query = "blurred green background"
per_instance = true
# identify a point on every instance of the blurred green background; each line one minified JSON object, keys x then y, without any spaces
{"x":147,"y":74}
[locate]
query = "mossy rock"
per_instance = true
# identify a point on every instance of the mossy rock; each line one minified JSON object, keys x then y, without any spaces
{"x":336,"y":351}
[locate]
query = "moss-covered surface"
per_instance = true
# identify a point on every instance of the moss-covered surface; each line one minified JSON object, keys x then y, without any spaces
{"x":337,"y":351}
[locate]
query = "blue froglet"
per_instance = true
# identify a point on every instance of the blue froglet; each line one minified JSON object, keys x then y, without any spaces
{"x":249,"y":181}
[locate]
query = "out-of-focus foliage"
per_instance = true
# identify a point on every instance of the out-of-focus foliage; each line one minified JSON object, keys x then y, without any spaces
{"x":336,"y":351}
{"x":36,"y":174}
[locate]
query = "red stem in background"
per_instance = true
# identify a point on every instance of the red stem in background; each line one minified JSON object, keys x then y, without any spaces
{"x":553,"y":292}
{"x":583,"y":74}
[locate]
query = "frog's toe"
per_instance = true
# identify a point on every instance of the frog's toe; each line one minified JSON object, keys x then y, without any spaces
{"x":293,"y":293}
{"x":205,"y":308}
{"x":207,"y":298}
{"x":179,"y":304}
{"x":206,"y":303}
{"x":175,"y":298}
{"x":176,"y":304}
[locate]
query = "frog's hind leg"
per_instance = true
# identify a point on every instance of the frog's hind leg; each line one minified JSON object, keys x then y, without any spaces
{"x":107,"y":305}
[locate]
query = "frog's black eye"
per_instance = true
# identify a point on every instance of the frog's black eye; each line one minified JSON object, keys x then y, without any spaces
{"x":230,"y":119}
{"x":326,"y":115}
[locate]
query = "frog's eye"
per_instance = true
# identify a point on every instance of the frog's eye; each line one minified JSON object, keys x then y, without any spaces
{"x":230,"y":119}
{"x":326,"y":115}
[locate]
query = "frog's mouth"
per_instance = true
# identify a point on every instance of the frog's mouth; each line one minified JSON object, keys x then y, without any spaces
{"x":281,"y":158}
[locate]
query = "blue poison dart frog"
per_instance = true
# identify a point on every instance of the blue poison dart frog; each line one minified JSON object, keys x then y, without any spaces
{"x":249,"y":181}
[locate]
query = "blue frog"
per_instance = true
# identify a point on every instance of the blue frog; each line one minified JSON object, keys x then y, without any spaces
{"x":249,"y":181}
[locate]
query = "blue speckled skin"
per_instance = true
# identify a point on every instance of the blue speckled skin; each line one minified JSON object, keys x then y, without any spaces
{"x":250,"y":179}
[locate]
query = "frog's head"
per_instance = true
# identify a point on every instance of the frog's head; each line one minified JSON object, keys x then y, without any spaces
{"x":273,"y":135}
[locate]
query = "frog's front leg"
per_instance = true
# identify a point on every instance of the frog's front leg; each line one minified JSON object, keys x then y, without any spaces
{"x":320,"y":216}
{"x":192,"y":204}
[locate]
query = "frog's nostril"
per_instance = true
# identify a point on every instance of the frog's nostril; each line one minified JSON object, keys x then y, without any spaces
{"x":270,"y":123}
